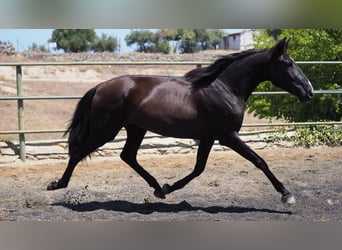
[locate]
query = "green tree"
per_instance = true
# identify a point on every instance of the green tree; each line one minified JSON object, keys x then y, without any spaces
{"x":215,"y":38}
{"x":105,"y":43}
{"x":172,"y":36}
{"x":73,"y":40}
{"x":188,"y":40}
{"x":202,"y":39}
{"x":306,"y":45}
{"x":193,"y":40}
{"x":169,"y":34}
{"x":147,"y":41}
{"x":142,"y":38}
{"x":161,"y":42}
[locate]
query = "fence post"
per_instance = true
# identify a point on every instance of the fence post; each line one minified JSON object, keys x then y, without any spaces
{"x":22,"y":151}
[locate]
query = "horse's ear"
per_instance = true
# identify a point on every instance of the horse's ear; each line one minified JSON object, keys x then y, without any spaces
{"x":279,"y":48}
{"x":287,"y":43}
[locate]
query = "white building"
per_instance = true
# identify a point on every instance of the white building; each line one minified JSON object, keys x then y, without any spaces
{"x":239,"y":41}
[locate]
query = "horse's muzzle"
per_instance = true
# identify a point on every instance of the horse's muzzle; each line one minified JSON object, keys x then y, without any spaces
{"x":307,"y":96}
{"x":310,"y":94}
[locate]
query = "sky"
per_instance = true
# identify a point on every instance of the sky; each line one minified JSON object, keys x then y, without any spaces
{"x":24,"y":38}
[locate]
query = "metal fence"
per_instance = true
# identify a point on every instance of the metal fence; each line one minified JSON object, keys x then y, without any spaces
{"x":20,"y":97}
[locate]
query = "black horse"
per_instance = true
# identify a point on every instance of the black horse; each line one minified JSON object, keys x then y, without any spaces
{"x":206,"y":104}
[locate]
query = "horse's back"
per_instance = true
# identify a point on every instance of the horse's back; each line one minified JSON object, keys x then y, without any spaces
{"x":161,"y":104}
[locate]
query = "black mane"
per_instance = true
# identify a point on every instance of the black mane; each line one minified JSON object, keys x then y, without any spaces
{"x":206,"y":75}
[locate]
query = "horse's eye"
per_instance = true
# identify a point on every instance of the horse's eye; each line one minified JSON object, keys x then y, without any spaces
{"x":288,"y":62}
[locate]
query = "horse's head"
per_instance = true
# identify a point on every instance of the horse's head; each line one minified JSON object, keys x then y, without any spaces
{"x":286,"y":74}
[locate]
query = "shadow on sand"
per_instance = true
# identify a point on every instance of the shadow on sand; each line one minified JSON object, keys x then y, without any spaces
{"x":160,"y":207}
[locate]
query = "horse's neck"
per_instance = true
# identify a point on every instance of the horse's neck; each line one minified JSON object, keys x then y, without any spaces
{"x":243,"y":79}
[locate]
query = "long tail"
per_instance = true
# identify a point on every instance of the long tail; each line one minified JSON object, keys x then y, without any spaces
{"x":79,"y":126}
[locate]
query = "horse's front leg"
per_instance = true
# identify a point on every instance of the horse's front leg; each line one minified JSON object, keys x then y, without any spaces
{"x":234,"y":142}
{"x":202,"y":156}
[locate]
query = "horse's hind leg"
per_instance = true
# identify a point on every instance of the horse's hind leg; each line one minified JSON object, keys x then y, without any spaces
{"x":63,"y":182}
{"x":135,"y":136}
{"x":96,"y":139}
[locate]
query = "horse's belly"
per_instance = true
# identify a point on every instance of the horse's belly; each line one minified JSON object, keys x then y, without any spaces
{"x":177,"y":130}
{"x":168,"y":114}
{"x":169,"y":125}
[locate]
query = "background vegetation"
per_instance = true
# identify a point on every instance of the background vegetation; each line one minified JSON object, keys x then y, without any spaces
{"x":80,"y":40}
{"x":309,"y":136}
{"x":183,"y":40}
{"x":306,"y":45}
{"x":160,"y":41}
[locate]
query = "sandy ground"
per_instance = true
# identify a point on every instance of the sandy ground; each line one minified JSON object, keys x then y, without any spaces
{"x":105,"y":189}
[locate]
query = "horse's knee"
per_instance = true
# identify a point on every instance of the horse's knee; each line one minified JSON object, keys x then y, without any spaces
{"x":126,"y":157}
{"x":123,"y":156}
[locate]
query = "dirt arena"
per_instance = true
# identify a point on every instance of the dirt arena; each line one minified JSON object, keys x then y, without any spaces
{"x":230,"y":189}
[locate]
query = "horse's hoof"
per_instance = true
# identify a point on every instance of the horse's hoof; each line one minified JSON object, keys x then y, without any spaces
{"x":53,"y":185}
{"x":159,"y":194}
{"x":57,"y":185}
{"x":288,"y":199}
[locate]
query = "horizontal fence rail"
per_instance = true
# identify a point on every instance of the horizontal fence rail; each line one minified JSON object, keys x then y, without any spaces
{"x":246,"y":125}
{"x":20,"y":97}
{"x":14,"y":98}
{"x":134,"y":63}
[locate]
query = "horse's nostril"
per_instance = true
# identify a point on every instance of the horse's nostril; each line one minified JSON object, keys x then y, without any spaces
{"x":310,"y":94}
